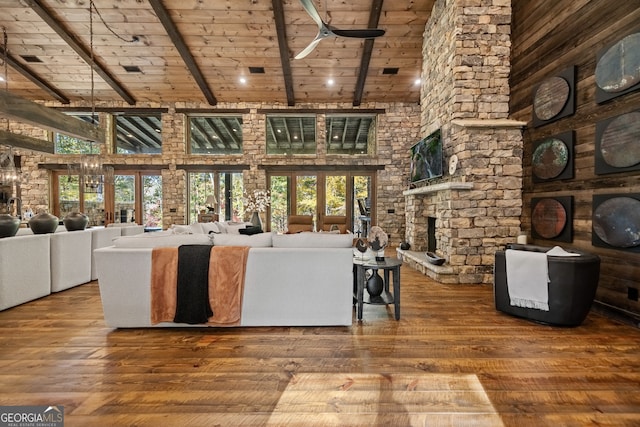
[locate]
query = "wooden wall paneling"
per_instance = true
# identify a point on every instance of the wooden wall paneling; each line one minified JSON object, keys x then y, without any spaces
{"x":549,"y":36}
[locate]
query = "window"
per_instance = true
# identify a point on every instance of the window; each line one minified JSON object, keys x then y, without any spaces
{"x":351,"y":134}
{"x":291,"y":134}
{"x":138,"y":134}
{"x":65,"y":144}
{"x":215,"y":135}
{"x":227,"y":189}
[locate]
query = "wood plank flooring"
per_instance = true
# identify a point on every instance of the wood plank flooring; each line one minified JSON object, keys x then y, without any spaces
{"x":451,"y":360}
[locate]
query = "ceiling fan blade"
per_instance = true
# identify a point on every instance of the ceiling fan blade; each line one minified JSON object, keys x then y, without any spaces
{"x":368,"y":33}
{"x":307,"y":50}
{"x":311,"y":10}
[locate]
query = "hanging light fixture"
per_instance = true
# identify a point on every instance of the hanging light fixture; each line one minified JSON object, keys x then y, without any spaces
{"x":10,"y":173}
{"x":93,"y":174}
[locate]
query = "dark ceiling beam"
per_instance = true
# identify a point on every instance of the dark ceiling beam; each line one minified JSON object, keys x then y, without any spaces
{"x":374,"y":19}
{"x":278,"y":13}
{"x":26,"y":142}
{"x":81,"y":50}
{"x":33,"y":77}
{"x":170,"y":27}
{"x":48,"y":118}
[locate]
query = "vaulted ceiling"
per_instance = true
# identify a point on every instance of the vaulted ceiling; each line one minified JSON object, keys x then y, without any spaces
{"x":199,"y":50}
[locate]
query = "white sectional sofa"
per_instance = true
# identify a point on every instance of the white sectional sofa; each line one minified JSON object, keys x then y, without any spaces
{"x":70,"y":259}
{"x":34,"y":265}
{"x":303,"y":279}
{"x":25,"y":272}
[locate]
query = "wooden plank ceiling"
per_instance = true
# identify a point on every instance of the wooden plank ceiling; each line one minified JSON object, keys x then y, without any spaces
{"x":197,"y":51}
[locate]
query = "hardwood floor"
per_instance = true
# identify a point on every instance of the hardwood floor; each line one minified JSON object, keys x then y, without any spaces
{"x":451,"y":360}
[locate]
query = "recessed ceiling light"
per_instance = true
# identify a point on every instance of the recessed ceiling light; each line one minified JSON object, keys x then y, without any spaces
{"x":243,"y":80}
{"x":330,"y":82}
{"x":1,"y":79}
{"x":417,"y":81}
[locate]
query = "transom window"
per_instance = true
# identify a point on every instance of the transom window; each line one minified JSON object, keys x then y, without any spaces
{"x":350,"y":134}
{"x":139,"y":133}
{"x":291,"y":135}
{"x":65,"y":144}
{"x":215,"y":134}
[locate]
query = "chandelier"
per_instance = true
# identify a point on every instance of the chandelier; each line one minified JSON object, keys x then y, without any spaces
{"x":9,"y":173}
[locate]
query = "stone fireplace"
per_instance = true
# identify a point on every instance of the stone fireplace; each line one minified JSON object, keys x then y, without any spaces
{"x":476,"y":208}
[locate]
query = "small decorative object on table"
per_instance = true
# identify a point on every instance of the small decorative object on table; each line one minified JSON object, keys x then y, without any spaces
{"x":378,"y":240}
{"x":256,"y":203}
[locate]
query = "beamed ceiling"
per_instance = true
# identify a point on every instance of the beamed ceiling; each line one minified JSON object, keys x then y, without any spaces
{"x":197,"y":51}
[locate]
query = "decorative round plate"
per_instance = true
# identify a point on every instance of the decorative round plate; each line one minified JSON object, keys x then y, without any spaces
{"x":550,"y":158}
{"x":617,"y":222}
{"x":549,"y":218}
{"x":620,"y":143}
{"x":550,"y":98}
{"x":619,"y":68}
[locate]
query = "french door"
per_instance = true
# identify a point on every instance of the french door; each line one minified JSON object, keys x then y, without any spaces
{"x":323,"y":195}
{"x":134,"y":196}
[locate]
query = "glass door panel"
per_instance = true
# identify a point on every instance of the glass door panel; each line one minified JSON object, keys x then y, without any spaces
{"x":152,"y":201}
{"x":68,"y":195}
{"x":306,"y":196}
{"x":335,"y":202}
{"x":279,"y":209}
{"x":94,"y":208}
{"x":124,"y":197}
{"x":361,"y":204}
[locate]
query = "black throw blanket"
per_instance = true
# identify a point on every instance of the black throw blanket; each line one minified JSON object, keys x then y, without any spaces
{"x":192,"y":293}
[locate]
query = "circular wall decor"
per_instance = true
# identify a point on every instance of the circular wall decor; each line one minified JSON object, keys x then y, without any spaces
{"x":619,"y":68}
{"x":620,"y":143}
{"x":617,"y":222}
{"x":550,"y":158}
{"x":551,"y":97}
{"x":549,"y":218}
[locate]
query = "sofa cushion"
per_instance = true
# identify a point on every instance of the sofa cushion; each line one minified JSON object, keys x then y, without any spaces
{"x":261,"y":240}
{"x":313,"y":240}
{"x":160,"y":239}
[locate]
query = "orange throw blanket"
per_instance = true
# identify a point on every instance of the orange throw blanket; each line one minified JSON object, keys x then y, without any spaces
{"x":227,"y":266}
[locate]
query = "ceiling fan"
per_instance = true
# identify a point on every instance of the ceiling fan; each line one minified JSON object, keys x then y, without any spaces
{"x":325,"y":30}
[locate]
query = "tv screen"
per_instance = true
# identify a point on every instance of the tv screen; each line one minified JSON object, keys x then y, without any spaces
{"x":426,"y":158}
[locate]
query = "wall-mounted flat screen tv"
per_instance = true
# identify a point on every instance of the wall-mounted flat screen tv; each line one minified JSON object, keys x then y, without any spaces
{"x":426,"y":158}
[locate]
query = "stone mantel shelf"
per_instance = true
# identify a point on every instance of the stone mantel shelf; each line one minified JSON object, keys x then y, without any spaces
{"x":488,"y":123}
{"x":438,"y":187}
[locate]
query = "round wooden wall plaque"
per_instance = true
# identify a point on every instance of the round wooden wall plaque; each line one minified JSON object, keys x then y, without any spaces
{"x":551,"y":97}
{"x":550,"y":158}
{"x":617,"y":222}
{"x":619,"y":68}
{"x":620,"y":143}
{"x":549,"y":218}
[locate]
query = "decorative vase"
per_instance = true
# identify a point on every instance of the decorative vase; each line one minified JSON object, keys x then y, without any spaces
{"x":44,"y":223}
{"x":75,"y":221}
{"x":375,"y":285}
{"x":255,"y":219}
{"x":8,"y":225}
{"x":405,"y":246}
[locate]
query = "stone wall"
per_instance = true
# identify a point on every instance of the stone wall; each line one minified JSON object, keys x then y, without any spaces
{"x":397,"y":130}
{"x":466,"y":94}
